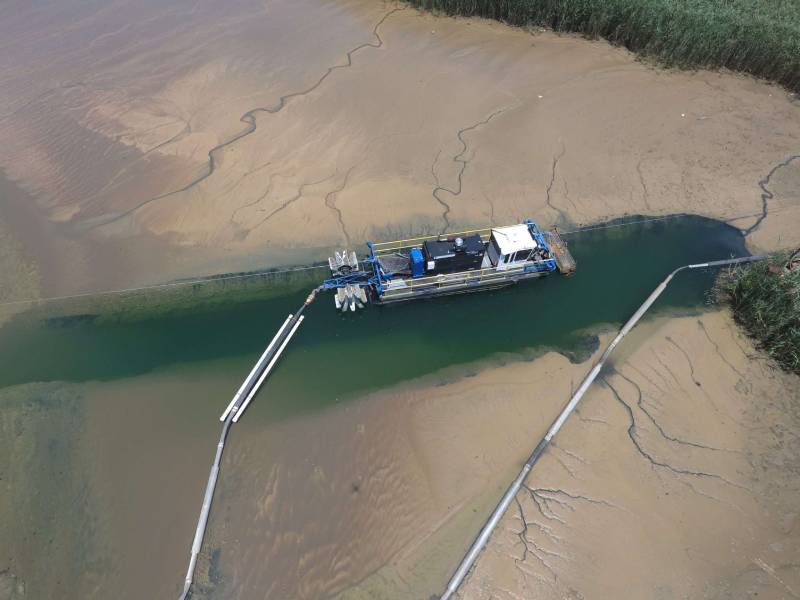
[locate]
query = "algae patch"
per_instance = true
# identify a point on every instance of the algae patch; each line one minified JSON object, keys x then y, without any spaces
{"x":46,"y":519}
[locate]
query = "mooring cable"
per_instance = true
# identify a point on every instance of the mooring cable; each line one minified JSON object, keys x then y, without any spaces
{"x":213,"y":278}
{"x":485,"y":533}
{"x":170,"y":284}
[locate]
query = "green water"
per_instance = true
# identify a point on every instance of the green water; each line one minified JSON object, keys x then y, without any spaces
{"x":335,"y":356}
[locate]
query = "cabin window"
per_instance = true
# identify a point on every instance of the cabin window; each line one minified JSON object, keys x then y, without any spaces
{"x":519,"y":256}
{"x":523,"y":255}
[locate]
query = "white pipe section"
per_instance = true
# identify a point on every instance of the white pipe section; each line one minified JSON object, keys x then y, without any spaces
{"x":483,"y":537}
{"x":485,"y":534}
{"x":255,"y":369}
{"x":234,"y":410}
{"x":266,"y":371}
{"x":197,"y":543}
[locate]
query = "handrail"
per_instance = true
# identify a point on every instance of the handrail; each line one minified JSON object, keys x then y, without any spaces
{"x":483,"y":274}
{"x":380,"y":246}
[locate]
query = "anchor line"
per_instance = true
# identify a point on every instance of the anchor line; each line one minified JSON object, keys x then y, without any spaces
{"x":212,"y":278}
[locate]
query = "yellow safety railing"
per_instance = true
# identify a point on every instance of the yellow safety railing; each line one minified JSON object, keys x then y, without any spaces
{"x":453,"y":280}
{"x":387,"y":247}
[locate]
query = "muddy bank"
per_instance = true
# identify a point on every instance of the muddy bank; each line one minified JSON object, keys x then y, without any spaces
{"x":258,"y":145}
{"x":97,"y":493}
{"x":700,"y":472}
{"x":688,"y":455}
{"x":378,"y":504}
{"x":143,"y":155}
{"x":308,"y":506}
{"x":378,"y":497}
{"x":47,"y":521}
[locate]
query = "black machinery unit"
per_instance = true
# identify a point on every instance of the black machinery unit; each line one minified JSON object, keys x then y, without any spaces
{"x":452,"y":255}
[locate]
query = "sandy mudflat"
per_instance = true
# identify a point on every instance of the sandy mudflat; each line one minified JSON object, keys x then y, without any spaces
{"x":371,"y":121}
{"x":690,"y":491}
{"x":101,"y":482}
{"x":375,"y":496}
{"x":701,"y":500}
{"x":679,"y":479}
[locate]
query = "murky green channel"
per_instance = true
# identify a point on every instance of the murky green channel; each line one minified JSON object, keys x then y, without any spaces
{"x":352,"y":353}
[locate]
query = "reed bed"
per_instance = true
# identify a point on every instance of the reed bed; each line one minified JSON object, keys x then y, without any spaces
{"x":766,"y":301}
{"x":759,"y":37}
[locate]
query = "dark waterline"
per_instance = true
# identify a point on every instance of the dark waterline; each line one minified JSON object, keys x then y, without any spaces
{"x":336,"y":355}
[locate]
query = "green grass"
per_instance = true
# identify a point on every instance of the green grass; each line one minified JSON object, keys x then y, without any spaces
{"x":766,"y":302}
{"x":759,"y":37}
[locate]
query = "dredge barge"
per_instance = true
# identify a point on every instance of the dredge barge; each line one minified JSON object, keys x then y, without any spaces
{"x":440,"y":265}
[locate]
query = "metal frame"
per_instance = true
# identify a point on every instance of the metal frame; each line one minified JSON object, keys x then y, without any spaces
{"x":476,"y":278}
{"x":382,"y":282}
{"x":381,"y":248}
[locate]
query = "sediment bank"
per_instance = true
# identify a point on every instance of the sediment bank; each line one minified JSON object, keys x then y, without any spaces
{"x":107,"y":157}
{"x":687,"y":455}
{"x":496,"y":124}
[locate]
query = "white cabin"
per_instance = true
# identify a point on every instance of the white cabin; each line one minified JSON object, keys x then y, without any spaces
{"x":509,"y":247}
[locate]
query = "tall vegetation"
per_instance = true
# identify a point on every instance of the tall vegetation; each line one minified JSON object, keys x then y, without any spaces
{"x":759,"y":37}
{"x":765,"y":298}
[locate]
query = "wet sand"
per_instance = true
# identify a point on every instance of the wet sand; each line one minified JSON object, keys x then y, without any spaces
{"x":370,"y":496}
{"x":679,"y":479}
{"x":706,"y":484}
{"x":377,"y":492}
{"x":312,"y":145}
{"x":102,"y":481}
{"x":378,"y":497}
{"x":46,"y":530}
{"x":391,"y":123}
